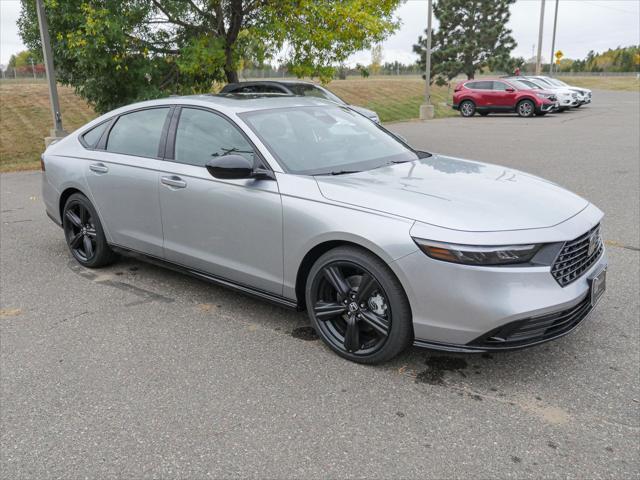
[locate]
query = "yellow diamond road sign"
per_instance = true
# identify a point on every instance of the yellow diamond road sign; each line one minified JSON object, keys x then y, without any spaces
{"x":559,"y":54}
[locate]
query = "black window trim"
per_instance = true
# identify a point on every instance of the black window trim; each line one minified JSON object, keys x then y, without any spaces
{"x":102,"y":143}
{"x":96,"y":146}
{"x":170,"y":143}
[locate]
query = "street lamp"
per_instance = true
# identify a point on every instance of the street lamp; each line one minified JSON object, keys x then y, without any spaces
{"x":553,"y":40}
{"x":426,"y":109}
{"x":57,"y":131}
{"x":539,"y":56}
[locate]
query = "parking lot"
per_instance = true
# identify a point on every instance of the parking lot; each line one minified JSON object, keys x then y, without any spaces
{"x":136,"y":371}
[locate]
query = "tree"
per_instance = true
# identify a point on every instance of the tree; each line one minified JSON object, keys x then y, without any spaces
{"x":115,"y":52}
{"x":471,"y":33}
{"x":376,"y":59}
{"x":23,"y":59}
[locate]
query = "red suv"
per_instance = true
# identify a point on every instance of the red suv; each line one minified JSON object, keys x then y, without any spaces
{"x":486,"y":96}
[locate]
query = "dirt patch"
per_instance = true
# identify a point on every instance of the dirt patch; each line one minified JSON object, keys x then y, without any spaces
{"x":438,"y":365}
{"x":304,"y":333}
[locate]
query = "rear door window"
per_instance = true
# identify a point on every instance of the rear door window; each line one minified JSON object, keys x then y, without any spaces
{"x":482,"y":85}
{"x":138,"y":133}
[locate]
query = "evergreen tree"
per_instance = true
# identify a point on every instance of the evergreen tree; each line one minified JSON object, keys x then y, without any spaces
{"x":471,"y":34}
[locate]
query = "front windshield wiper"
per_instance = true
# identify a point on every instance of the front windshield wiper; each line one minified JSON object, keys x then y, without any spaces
{"x":227,"y":151}
{"x":339,"y":172}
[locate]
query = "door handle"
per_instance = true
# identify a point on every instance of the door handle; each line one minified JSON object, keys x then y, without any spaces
{"x":175,"y":182}
{"x":98,"y":168}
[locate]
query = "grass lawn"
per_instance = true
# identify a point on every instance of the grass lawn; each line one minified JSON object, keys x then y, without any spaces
{"x":629,"y":84}
{"x":25,"y":119}
{"x":393,"y":98}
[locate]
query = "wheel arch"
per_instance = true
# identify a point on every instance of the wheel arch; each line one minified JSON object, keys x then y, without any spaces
{"x":64,"y":196}
{"x":320,"y":249}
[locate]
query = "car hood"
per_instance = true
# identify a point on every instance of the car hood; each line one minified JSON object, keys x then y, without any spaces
{"x":365,"y":111}
{"x":456,"y":194}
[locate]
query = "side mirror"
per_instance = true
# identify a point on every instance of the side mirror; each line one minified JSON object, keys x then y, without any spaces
{"x":230,"y":167}
{"x":235,"y":167}
{"x":509,"y":89}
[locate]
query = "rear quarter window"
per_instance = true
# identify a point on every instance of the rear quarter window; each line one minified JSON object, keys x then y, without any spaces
{"x":92,"y":137}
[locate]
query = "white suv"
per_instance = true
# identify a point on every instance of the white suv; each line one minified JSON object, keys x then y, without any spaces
{"x":584,"y":94}
{"x":566,"y":97}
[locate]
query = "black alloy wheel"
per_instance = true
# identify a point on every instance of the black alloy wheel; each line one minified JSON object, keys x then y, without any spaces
{"x":84,"y":234}
{"x":352,"y":300}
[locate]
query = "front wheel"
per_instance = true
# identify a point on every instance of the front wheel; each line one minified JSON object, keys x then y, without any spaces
{"x":84,"y":234}
{"x":467,"y":108}
{"x":525,"y":108}
{"x":357,"y":306}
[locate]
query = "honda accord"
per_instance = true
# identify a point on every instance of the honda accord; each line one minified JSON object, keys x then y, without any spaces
{"x":305,"y":203}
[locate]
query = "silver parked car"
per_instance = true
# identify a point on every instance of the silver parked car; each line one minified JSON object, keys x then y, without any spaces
{"x":295,"y":87}
{"x":308,"y":204}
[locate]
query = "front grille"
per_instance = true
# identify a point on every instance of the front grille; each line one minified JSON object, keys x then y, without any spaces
{"x":574,"y":95}
{"x":577,"y":256}
{"x":536,"y":329}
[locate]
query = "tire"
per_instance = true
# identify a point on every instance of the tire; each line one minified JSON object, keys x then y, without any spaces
{"x":525,"y":108}
{"x":483,"y":114}
{"x":562,"y":109}
{"x":370,"y":329}
{"x":541,"y":114}
{"x":467,"y":108}
{"x":84,"y":233}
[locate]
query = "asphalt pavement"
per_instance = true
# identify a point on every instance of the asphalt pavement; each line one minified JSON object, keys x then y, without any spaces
{"x":135,"y":371}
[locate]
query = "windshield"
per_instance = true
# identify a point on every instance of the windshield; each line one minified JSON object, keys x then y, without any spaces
{"x":544,"y":82}
{"x":530,"y":84}
{"x":325,"y":140}
{"x":522,"y":85}
{"x":557,"y":82}
{"x":307,"y":90}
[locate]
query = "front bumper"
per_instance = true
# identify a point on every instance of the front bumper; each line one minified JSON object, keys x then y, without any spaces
{"x":458,"y":307}
{"x":548,"y":107}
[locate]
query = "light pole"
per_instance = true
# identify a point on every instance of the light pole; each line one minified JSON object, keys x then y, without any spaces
{"x":426,"y":109}
{"x":553,"y":39}
{"x":57,"y":131}
{"x":539,"y":56}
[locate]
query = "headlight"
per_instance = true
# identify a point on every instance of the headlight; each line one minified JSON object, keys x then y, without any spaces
{"x":478,"y":255}
{"x":544,"y":95}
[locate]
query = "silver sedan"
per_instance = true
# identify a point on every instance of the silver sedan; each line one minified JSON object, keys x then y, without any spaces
{"x":308,"y":204}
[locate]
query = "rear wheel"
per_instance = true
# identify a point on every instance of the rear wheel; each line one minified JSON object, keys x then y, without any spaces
{"x":467,"y":108}
{"x":525,"y":108}
{"x":358,"y":306}
{"x":84,"y":234}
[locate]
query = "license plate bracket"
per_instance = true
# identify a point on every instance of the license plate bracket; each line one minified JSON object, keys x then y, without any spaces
{"x":597,"y":286}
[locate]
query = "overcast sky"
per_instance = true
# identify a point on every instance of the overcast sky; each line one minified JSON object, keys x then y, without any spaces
{"x":583,"y":25}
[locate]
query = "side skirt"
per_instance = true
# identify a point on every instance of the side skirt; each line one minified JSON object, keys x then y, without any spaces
{"x":270,"y":297}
